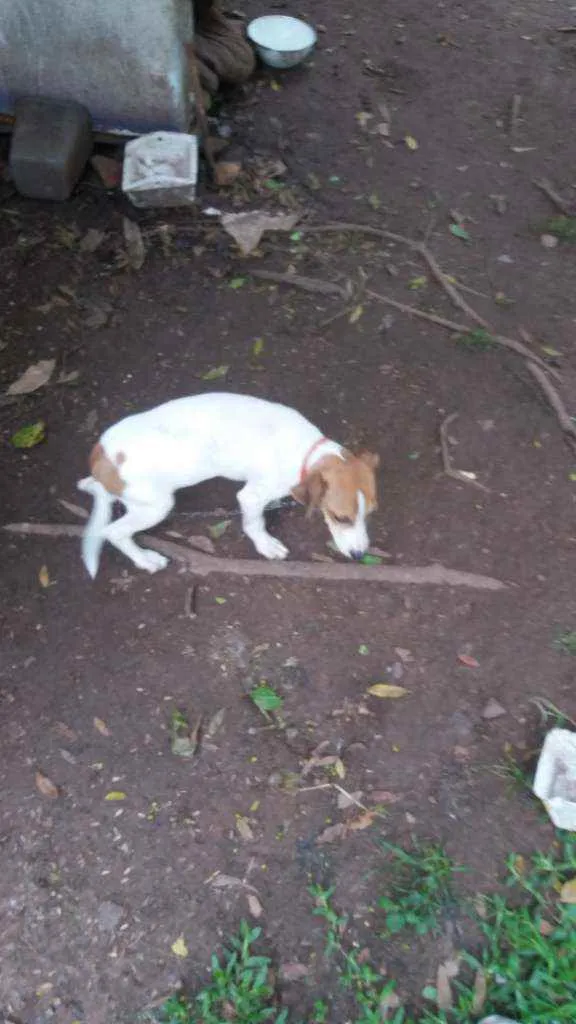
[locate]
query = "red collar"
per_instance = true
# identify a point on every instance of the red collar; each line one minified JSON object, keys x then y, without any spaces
{"x":308,"y":456}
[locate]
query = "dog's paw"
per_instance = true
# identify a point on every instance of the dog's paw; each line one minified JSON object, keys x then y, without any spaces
{"x":152,"y":561}
{"x":270,"y":548}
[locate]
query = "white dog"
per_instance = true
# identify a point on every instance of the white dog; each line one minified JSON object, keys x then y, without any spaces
{"x":142,"y":460}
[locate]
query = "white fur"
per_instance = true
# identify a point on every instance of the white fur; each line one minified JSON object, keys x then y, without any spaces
{"x":188,"y":440}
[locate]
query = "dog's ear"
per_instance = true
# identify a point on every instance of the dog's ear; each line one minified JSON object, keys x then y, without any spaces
{"x":311,"y":491}
{"x":370,"y":459}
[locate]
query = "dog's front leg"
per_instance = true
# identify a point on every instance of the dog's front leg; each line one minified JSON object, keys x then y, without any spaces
{"x":253,"y":500}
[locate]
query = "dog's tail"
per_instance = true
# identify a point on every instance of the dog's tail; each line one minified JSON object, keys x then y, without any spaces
{"x":93,"y":536}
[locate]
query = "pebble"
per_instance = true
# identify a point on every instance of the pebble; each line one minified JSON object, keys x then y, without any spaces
{"x":109,"y":916}
{"x":548,"y":241}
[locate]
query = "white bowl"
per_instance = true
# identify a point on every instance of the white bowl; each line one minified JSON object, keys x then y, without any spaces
{"x":281,"y":41}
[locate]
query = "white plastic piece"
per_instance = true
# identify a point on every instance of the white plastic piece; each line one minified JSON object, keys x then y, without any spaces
{"x":281,"y":41}
{"x":497,"y":1019}
{"x":555,"y":781}
{"x":161,"y":169}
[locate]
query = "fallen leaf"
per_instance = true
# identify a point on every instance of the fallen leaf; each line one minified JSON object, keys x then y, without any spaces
{"x":266,"y":699}
{"x":545,"y":928}
{"x":363,"y":650}
{"x":417,"y":282}
{"x":493,"y":710}
{"x":45,"y":786}
{"x":29,"y":436}
{"x":218,"y":529}
{"x":480,"y":991}
{"x":258,"y":347}
{"x":568,"y":891}
{"x":237,"y":282}
{"x":362,"y":821}
{"x":220,"y":881}
{"x":411,"y":142}
{"x":443,"y":989}
{"x":220,"y":600}
{"x":363,"y":117}
{"x":553,"y":352}
{"x":135,"y":249}
{"x":226,"y":172}
{"x":201,"y":543}
{"x":36,"y":376}
{"x":179,"y":948}
{"x":243,"y":827}
{"x":355,"y":314}
{"x":332,"y":833}
{"x":216,"y":373}
{"x":404,"y":655}
{"x":44,"y":577}
{"x":460,"y":232}
{"x":96,"y":314}
{"x":185,"y":741}
{"x":215,"y":723}
{"x":114,"y":795}
{"x":92,"y":240}
{"x":389,"y":690}
{"x":468,"y":661}
{"x":384,"y":796}
{"x":294,"y":971}
{"x":339,"y":768}
{"x":390,"y":1001}
{"x":101,"y":726}
{"x":254,"y":905}
{"x":247,"y":228}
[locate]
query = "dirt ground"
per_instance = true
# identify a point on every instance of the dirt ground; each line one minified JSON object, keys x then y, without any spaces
{"x":94,"y":892}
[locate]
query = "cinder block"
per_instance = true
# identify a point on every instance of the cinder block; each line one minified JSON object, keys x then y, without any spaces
{"x":51,"y":143}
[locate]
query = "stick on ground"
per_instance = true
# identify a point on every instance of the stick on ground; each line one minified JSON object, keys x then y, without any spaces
{"x":350,"y":572}
{"x":553,"y":196}
{"x":456,"y":474}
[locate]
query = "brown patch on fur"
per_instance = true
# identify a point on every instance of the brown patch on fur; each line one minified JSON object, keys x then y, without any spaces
{"x":105,"y":470}
{"x":333,"y":484}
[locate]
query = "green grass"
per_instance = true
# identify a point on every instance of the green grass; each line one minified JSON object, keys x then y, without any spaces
{"x":525,"y":962}
{"x":419,"y":888}
{"x":477,"y":338}
{"x":566,"y":642}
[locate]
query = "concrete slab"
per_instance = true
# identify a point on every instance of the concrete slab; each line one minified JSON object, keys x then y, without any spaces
{"x":124,"y":61}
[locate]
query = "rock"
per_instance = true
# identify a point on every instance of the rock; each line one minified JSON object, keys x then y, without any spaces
{"x":493,"y":710}
{"x":548,"y":241}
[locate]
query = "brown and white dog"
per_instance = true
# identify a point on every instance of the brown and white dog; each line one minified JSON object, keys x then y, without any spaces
{"x":142,"y":460}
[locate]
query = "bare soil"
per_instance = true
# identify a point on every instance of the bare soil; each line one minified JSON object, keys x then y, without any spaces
{"x":94,"y":892}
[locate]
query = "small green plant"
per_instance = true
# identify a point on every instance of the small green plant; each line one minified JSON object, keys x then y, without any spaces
{"x":477,"y":338}
{"x":374,"y":997}
{"x":266,"y":699}
{"x":239,"y":990}
{"x":563,"y":228}
{"x":566,"y":642}
{"x":419,"y":889}
{"x":514,"y":770}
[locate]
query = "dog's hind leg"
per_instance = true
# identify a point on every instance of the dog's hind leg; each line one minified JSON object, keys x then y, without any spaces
{"x":140,"y":515}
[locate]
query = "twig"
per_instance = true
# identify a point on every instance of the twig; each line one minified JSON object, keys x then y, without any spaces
{"x":442,"y":321}
{"x":554,"y":399}
{"x":308,"y":284}
{"x":553,"y":196}
{"x":190,"y":602}
{"x":204,"y":565}
{"x":200,"y":111}
{"x":515,"y":108}
{"x":76,"y":510}
{"x":449,"y":288}
{"x":456,"y":474}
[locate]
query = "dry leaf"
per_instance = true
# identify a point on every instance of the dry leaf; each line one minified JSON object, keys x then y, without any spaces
{"x":294,"y":971}
{"x":215,"y":723}
{"x":92,"y":239}
{"x":568,"y":891}
{"x":226,"y":172}
{"x":44,"y":577}
{"x":468,"y":661}
{"x":101,"y":726}
{"x":545,"y":928}
{"x":33,"y":378}
{"x":135,"y":249}
{"x":179,"y":948}
{"x":45,"y":786}
{"x":389,"y":1002}
{"x":243,"y":827}
{"x":387,"y":690}
{"x":115,"y":794}
{"x":355,"y":314}
{"x":411,"y":142}
{"x":247,"y":228}
{"x":254,"y":905}
{"x":339,"y":768}
{"x":362,"y":822}
{"x":443,"y":989}
{"x":201,"y":543}
{"x":404,"y":655}
{"x":480,"y":991}
{"x":332,"y":833}
{"x":384,"y":796}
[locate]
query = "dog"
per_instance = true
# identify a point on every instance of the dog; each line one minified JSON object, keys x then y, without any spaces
{"x":272,"y":449}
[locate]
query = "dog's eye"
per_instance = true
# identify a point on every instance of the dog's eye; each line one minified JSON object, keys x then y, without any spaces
{"x":343,"y":520}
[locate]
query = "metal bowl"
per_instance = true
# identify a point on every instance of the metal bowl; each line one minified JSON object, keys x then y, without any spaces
{"x":281,"y":41}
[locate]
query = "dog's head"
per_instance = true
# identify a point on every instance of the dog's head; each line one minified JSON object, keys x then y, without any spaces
{"x":344,"y":489}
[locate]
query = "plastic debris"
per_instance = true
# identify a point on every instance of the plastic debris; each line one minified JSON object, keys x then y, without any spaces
{"x":555,"y":780}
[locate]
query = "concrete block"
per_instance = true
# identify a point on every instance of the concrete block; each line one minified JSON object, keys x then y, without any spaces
{"x":51,"y":143}
{"x":124,"y":60}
